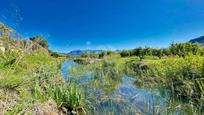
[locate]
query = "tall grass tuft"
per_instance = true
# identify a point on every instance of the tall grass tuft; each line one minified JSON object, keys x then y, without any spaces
{"x":66,"y":95}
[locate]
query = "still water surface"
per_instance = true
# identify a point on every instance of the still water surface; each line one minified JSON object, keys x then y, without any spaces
{"x":125,"y":98}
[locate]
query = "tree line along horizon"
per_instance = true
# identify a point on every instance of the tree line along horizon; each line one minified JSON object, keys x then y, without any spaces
{"x":175,"y":49}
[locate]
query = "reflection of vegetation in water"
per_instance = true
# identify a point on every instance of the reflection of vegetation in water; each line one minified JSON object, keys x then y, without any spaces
{"x":182,"y":76}
{"x":107,"y":74}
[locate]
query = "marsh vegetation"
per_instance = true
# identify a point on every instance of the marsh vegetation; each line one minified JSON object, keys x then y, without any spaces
{"x":36,"y":80}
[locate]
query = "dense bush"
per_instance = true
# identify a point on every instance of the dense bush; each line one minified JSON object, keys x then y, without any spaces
{"x":184,"y":49}
{"x":125,"y":53}
{"x":101,"y":55}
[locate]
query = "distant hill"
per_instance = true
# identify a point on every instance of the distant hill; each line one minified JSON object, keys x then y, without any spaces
{"x":81,"y":52}
{"x":199,"y":40}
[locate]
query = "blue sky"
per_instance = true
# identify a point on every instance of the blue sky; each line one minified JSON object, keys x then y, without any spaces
{"x":106,"y":24}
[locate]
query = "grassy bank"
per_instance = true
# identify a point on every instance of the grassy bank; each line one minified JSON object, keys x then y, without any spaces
{"x":30,"y":78}
{"x":182,"y":76}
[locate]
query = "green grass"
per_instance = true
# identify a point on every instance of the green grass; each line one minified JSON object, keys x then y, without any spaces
{"x":36,"y":77}
{"x":182,"y":76}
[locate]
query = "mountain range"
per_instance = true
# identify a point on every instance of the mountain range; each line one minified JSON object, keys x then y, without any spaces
{"x":81,"y":52}
{"x":198,"y":40}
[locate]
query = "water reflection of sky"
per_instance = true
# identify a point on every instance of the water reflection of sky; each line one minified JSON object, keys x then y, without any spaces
{"x":125,"y":99}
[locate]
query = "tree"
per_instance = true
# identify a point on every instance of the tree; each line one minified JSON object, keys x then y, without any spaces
{"x":183,"y":49}
{"x":102,"y":54}
{"x":40,"y":40}
{"x":54,"y":54}
{"x":137,"y":52}
{"x":125,"y":53}
{"x":166,"y":52}
{"x":109,"y":53}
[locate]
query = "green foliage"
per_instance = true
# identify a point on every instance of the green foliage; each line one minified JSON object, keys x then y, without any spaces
{"x":180,"y":49}
{"x":101,"y":55}
{"x":55,"y":54}
{"x":8,"y":58}
{"x":40,"y":40}
{"x":150,"y":57}
{"x":29,"y":77}
{"x":184,"y":49}
{"x":112,"y":69}
{"x":132,"y":59}
{"x":109,"y":52}
{"x":65,"y":95}
{"x":40,"y":82}
{"x":85,"y":55}
{"x":183,"y":76}
{"x":125,"y":53}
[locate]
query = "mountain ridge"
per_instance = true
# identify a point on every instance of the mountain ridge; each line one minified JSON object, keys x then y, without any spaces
{"x":198,"y":40}
{"x":81,"y":52}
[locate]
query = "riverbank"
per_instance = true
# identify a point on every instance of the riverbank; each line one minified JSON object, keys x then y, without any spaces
{"x":182,"y":77}
{"x":29,"y":80}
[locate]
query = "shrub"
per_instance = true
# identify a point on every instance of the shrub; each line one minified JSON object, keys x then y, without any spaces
{"x":125,"y":53}
{"x":40,"y":40}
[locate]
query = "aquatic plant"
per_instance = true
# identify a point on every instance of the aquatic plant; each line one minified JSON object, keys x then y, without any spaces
{"x":66,"y":95}
{"x":182,"y":76}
